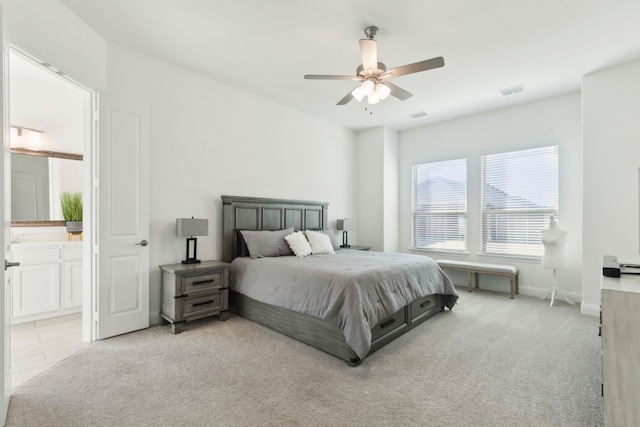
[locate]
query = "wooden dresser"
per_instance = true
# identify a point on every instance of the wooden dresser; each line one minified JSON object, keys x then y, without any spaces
{"x":194,"y":291}
{"x":620,"y":328}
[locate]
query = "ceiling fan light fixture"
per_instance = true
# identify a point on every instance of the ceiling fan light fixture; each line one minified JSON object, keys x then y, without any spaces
{"x":367,"y":87}
{"x":357,"y":94}
{"x":382,"y":91}
{"x":372,"y":74}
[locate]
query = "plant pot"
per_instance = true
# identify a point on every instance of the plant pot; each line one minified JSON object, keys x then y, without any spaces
{"x":74,"y":227}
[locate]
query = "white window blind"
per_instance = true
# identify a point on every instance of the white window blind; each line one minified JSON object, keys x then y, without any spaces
{"x":519,"y":193}
{"x":440,"y":205}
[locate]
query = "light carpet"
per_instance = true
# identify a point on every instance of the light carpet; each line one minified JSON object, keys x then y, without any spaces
{"x":492,"y":361}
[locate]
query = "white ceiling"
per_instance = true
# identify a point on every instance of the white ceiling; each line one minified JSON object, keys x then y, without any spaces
{"x":265,"y":48}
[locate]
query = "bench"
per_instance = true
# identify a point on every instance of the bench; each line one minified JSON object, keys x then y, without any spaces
{"x":475,"y":268}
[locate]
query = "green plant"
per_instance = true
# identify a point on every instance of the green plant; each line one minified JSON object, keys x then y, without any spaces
{"x":71,"y":206}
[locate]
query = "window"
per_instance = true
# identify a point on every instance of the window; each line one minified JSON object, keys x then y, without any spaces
{"x":519,"y":193}
{"x":440,"y":205}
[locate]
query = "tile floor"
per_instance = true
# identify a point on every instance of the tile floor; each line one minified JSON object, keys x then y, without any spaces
{"x":37,"y":346}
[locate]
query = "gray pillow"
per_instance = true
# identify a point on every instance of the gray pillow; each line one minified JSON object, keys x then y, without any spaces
{"x":267,"y":243}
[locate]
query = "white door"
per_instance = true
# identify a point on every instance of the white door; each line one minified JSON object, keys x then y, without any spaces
{"x":123,"y":217}
{"x":5,"y":218}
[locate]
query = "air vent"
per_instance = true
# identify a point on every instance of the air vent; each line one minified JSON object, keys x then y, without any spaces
{"x":511,"y":90}
{"x":418,"y":114}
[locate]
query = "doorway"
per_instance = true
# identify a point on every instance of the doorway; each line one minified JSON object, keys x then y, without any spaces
{"x":51,"y":131}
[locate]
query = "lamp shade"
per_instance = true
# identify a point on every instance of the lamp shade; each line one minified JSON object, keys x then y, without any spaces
{"x":344,"y":224}
{"x":192,"y":227}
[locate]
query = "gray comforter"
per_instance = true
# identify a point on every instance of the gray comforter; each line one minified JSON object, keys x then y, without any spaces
{"x":353,"y":290}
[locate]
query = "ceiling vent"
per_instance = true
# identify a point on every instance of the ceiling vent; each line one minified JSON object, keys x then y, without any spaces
{"x":418,"y":114}
{"x":511,"y":90}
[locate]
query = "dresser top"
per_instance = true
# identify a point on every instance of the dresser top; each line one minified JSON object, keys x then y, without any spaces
{"x":624,"y":283}
{"x":186,"y":268}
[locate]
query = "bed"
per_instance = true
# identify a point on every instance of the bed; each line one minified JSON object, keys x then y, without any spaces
{"x":365,"y":307}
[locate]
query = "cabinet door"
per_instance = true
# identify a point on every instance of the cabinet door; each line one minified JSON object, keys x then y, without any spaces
{"x":72,"y":285}
{"x":36,"y":289}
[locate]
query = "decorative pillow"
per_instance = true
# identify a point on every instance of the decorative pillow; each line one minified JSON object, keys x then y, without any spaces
{"x":332,"y":238}
{"x":266,"y":243}
{"x":298,"y":244}
{"x":320,"y":242}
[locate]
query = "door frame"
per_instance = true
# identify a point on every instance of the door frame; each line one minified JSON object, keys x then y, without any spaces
{"x":90,"y":179}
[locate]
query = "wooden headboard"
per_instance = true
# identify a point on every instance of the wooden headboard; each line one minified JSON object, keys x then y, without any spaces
{"x":257,"y":213}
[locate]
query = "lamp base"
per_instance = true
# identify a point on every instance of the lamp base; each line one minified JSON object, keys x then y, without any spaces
{"x":192,"y":244}
{"x":345,"y":240}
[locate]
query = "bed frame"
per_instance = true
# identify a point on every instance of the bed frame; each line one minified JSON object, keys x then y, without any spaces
{"x":253,"y":213}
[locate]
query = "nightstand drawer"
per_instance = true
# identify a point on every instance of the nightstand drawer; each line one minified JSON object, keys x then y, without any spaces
{"x":201,"y":305}
{"x":202,"y":283}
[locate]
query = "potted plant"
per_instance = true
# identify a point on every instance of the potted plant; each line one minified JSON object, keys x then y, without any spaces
{"x":72,"y":211}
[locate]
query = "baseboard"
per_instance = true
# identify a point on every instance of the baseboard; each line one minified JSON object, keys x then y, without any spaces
{"x":590,"y":309}
{"x":542,"y":292}
{"x":154,"y":318}
{"x":538,"y":293}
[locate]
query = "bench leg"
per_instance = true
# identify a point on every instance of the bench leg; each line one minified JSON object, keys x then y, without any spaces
{"x":470,"y":280}
{"x":512,"y":285}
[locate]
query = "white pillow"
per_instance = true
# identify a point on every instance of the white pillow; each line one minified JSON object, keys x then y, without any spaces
{"x":298,"y":244}
{"x":320,"y":243}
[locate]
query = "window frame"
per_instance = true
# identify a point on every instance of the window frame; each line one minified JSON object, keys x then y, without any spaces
{"x":535,"y":218}
{"x":440,"y":213}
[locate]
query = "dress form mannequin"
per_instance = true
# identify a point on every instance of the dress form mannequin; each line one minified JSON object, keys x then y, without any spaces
{"x":554,"y":239}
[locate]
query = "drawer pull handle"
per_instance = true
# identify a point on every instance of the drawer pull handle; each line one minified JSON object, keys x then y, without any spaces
{"x":424,"y":304}
{"x":202,"y":282}
{"x":203,"y":303}
{"x":387,"y":323}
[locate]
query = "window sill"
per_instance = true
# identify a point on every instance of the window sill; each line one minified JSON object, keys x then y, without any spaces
{"x":441,"y":251}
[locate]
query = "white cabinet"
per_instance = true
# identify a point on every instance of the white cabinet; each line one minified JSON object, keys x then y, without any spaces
{"x":72,"y":277}
{"x":48,"y":281}
{"x":621,"y":350}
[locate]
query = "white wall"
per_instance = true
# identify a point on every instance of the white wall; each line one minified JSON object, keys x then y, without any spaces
{"x":547,"y":122}
{"x":611,"y":135}
{"x":376,"y":165}
{"x":369,"y":165}
{"x":391,"y":196}
{"x":58,"y":110}
{"x":52,"y":33}
{"x":209,"y":139}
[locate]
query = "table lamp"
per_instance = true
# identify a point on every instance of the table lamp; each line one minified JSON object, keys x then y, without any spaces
{"x":192,"y":227}
{"x":345,"y":225}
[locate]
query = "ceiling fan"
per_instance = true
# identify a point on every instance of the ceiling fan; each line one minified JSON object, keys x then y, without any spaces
{"x":373,"y":75}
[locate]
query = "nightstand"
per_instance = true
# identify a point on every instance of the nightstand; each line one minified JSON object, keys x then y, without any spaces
{"x":194,"y":291}
{"x":358,"y":248}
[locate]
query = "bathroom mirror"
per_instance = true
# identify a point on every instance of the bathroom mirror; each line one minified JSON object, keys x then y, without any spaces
{"x":37,"y":180}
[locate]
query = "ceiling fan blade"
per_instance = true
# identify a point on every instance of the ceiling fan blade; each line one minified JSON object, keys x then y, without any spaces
{"x":398,"y":92}
{"x":369,"y":52}
{"x":416,"y":67}
{"x":329,"y":77}
{"x":346,"y":99}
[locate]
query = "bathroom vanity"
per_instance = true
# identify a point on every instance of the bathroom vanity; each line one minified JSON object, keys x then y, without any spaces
{"x":48,"y":281}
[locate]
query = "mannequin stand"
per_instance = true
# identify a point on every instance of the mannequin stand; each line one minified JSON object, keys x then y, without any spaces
{"x":554,"y":290}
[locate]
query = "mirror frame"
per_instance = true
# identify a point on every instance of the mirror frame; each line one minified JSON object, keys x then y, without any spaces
{"x":56,"y":154}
